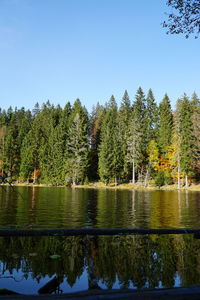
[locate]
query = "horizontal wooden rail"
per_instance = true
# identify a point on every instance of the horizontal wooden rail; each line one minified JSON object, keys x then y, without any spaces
{"x":93,"y":231}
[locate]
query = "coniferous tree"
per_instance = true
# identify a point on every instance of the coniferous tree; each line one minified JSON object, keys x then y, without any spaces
{"x":31,"y":146}
{"x":165,"y":124}
{"x":28,"y":159}
{"x":3,"y":130}
{"x":124,"y":119}
{"x":95,"y":133}
{"x":109,"y":153}
{"x":184,"y":114}
{"x":140,"y":116}
{"x":77,"y":145}
{"x":12,"y":144}
{"x":195,"y":102}
{"x":134,"y":152}
{"x":65,"y":146}
{"x":152,"y":116}
{"x":53,"y":148}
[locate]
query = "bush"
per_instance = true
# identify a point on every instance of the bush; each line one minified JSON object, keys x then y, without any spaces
{"x":168,"y":178}
{"x":86,"y":181}
{"x":160,"y":179}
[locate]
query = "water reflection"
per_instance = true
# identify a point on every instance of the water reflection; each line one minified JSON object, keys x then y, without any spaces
{"x":49,"y":264}
{"x":44,"y":207}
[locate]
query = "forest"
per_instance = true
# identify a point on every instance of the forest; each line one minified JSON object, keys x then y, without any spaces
{"x":140,"y":141}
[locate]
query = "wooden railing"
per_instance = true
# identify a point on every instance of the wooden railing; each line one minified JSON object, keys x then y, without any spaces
{"x":95,"y":231}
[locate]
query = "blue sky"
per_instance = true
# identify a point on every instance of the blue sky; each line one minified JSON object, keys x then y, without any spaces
{"x":90,"y":49}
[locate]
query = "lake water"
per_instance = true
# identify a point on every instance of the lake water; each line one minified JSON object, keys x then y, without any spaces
{"x":79,"y":263}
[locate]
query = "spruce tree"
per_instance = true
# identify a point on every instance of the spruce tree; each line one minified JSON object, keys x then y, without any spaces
{"x":96,"y":119}
{"x":124,"y":119}
{"x":195,"y":102}
{"x":134,"y":142}
{"x":27,"y":158}
{"x":77,"y":146}
{"x":110,"y":148}
{"x":165,"y":124}
{"x":140,"y":117}
{"x":53,"y":150}
{"x":152,"y":116}
{"x":184,"y":114}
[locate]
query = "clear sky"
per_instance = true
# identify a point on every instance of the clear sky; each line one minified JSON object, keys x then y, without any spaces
{"x":90,"y":49}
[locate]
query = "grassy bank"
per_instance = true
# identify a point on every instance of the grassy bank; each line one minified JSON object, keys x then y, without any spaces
{"x":130,"y":186}
{"x":124,"y":186}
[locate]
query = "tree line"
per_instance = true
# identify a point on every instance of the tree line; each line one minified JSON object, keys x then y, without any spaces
{"x":139,"y":141}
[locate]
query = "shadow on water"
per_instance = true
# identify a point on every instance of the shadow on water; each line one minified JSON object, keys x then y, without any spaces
{"x":67,"y":264}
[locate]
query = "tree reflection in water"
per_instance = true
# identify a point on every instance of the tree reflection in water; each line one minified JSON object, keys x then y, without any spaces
{"x":60,"y":263}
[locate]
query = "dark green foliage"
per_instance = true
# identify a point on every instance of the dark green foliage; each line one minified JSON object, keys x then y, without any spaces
{"x":125,"y":114}
{"x":165,"y":124}
{"x":152,"y":116}
{"x":110,"y":148}
{"x":184,"y":113}
{"x":66,"y":146}
{"x":195,"y":102}
{"x":96,"y":120}
{"x":160,"y":178}
{"x":76,"y":154}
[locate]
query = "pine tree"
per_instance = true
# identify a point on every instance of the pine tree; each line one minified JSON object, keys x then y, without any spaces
{"x":184,"y":114}
{"x":77,"y":145}
{"x":96,"y":119}
{"x":3,"y":130}
{"x":134,"y":150}
{"x":140,"y":118}
{"x":165,"y":124}
{"x":152,"y":116}
{"x":195,"y":102}
{"x":52,"y":152}
{"x":55,"y":155}
{"x":109,"y":149}
{"x":32,"y":152}
{"x":124,"y":119}
{"x":28,"y":162}
{"x":11,"y":148}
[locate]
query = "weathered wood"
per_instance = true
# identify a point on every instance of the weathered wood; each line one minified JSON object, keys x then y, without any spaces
{"x":93,"y":231}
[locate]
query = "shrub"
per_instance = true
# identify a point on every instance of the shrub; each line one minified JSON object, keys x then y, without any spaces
{"x":160,"y":179}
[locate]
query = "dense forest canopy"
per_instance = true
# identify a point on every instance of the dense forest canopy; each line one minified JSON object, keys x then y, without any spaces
{"x":139,"y":141}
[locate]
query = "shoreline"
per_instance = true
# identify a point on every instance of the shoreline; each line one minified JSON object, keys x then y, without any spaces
{"x":123,"y":186}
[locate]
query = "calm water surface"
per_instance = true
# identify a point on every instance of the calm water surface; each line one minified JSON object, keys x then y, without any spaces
{"x":80,"y":263}
{"x":28,"y":207}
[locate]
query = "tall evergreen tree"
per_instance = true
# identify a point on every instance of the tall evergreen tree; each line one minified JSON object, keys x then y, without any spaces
{"x":134,"y":150}
{"x":140,"y":117}
{"x":124,"y":119}
{"x":95,"y":133}
{"x":184,"y":113}
{"x":77,"y":145}
{"x":110,"y":151}
{"x":195,"y":102}
{"x":152,"y":116}
{"x":165,"y":124}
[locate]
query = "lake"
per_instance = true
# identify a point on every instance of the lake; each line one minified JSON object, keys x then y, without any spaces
{"x":79,"y":263}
